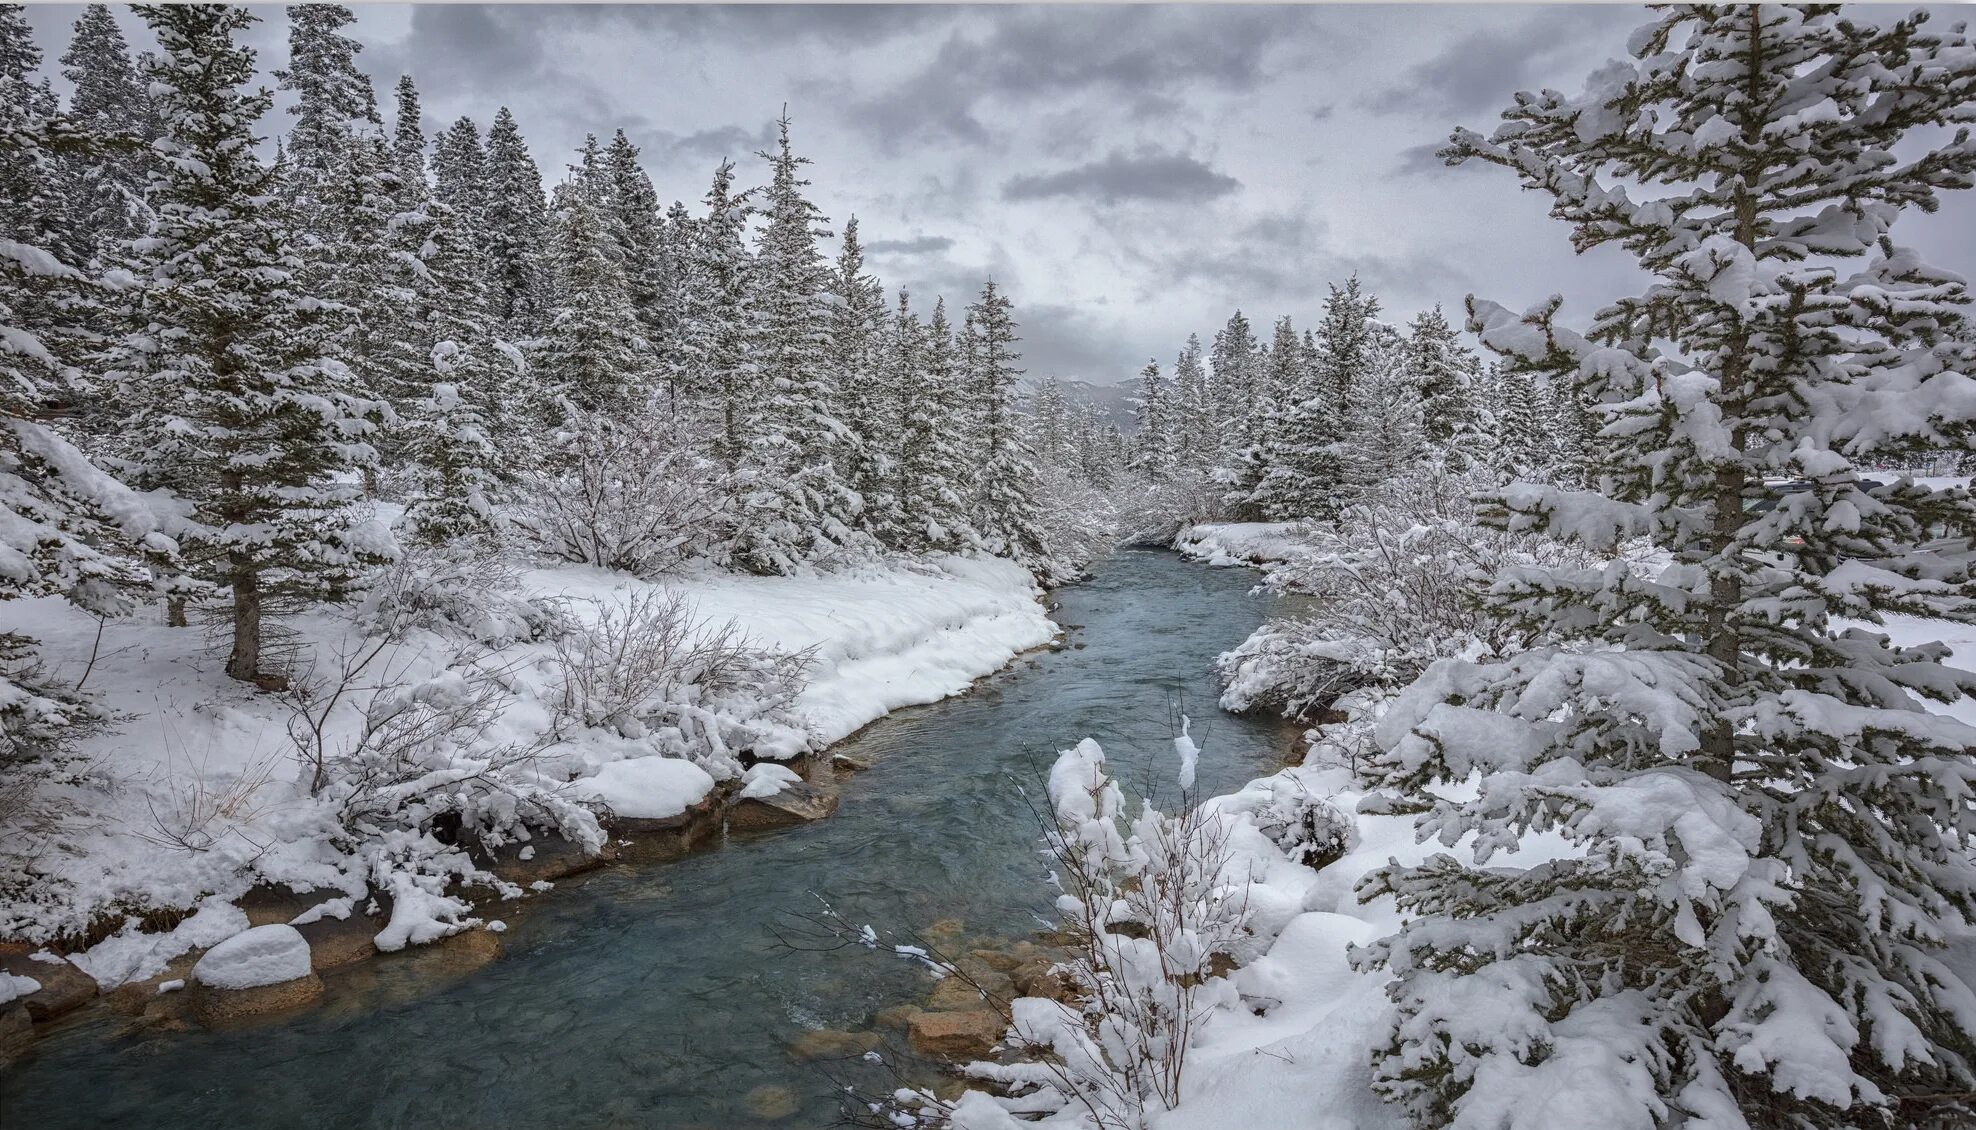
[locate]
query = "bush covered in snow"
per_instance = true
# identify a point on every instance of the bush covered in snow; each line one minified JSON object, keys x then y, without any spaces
{"x":1392,"y":586}
{"x":636,"y":495}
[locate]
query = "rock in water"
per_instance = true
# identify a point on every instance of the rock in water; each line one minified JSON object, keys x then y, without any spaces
{"x":772,"y":1102}
{"x":956,"y":1036}
{"x":797,"y":803}
{"x":264,"y":955}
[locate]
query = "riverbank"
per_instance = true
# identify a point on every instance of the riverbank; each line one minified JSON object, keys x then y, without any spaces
{"x":191,"y":818}
{"x":666,"y":995}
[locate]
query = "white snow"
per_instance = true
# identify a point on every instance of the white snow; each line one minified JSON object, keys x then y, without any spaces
{"x":1240,"y":543}
{"x":766,"y":780}
{"x":13,"y":987}
{"x":196,"y":794}
{"x":647,"y":788}
{"x":264,"y":955}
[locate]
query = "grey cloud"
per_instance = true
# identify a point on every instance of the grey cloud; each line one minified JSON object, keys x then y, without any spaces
{"x":708,"y":145}
{"x":1473,"y":77}
{"x":1148,"y":175}
{"x":1143,"y":56}
{"x":918,"y":245}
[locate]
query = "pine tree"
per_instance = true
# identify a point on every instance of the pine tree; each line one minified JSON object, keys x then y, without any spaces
{"x":801,"y":507}
{"x":589,"y":356}
{"x":1520,"y":447}
{"x":333,"y":100}
{"x":238,"y":395}
{"x":1235,"y":384}
{"x":1385,"y":428}
{"x":1154,"y":410}
{"x":637,"y":230}
{"x":513,"y":220}
{"x":1196,"y":436}
{"x":1005,"y":484}
{"x":459,"y":172}
{"x":1445,"y":372}
{"x":408,"y":146}
{"x":714,"y":363}
{"x":935,"y":467}
{"x":1769,"y":832}
{"x":857,"y":343}
{"x":107,"y":183}
{"x":1344,"y":339}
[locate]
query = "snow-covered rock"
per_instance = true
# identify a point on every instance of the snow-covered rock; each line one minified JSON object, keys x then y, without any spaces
{"x":766,"y":780}
{"x":646,"y":788}
{"x":263,"y":955}
{"x":13,"y":987}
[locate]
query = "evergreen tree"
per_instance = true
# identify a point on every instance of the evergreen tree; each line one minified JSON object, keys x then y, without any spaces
{"x":513,"y":221}
{"x":1153,"y":407}
{"x":1235,"y":384}
{"x":1444,"y":371}
{"x":107,"y":182}
{"x":719,"y":313}
{"x":1520,"y":442}
{"x":1197,"y":439}
{"x":934,"y":459}
{"x":1385,"y":430}
{"x":1344,"y":340}
{"x":857,"y":345}
{"x":1769,"y":833}
{"x":236,"y":392}
{"x":637,"y":231}
{"x":459,"y":172}
{"x":801,"y":507}
{"x":333,"y":100}
{"x":589,"y":356}
{"x":1005,"y":485}
{"x":408,"y":146}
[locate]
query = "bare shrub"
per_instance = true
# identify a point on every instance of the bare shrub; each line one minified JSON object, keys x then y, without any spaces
{"x":634,"y":496}
{"x":646,"y":667}
{"x":466,"y":588}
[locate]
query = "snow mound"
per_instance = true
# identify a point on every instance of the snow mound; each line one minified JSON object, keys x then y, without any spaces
{"x":646,"y":788}
{"x":1240,"y":543}
{"x":766,"y":780}
{"x":13,"y":987}
{"x":263,"y":955}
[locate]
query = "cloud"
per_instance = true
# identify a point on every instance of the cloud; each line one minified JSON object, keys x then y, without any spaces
{"x":1472,"y":77}
{"x":707,"y":145}
{"x":918,"y":245}
{"x":1144,"y":58}
{"x":1147,"y":175}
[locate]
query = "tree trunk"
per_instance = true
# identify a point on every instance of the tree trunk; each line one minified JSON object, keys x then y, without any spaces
{"x":175,"y":612}
{"x":245,"y":662}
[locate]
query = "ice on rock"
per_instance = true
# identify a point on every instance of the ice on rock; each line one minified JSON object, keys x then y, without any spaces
{"x":646,"y":788}
{"x":263,"y":955}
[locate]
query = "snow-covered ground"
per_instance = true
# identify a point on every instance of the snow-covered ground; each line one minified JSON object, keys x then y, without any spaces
{"x":195,"y":793}
{"x":1240,"y":543}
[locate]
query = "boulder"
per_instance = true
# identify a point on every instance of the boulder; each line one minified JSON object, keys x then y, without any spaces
{"x":1036,"y":980}
{"x":897,"y":1016}
{"x":255,"y":958}
{"x":542,"y":860}
{"x":831,"y":1043}
{"x":16,"y":1031}
{"x":797,"y":803}
{"x":963,"y":1035}
{"x":657,"y":839}
{"x":337,"y":942}
{"x":957,"y":993}
{"x":844,"y":763}
{"x":215,"y":1007}
{"x":64,"y":988}
{"x":772,"y":1102}
{"x":998,"y":960}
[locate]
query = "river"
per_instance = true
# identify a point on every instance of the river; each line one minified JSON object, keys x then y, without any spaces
{"x":658,"y":996}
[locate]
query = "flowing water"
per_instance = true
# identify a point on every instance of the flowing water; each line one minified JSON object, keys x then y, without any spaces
{"x":659,"y":996}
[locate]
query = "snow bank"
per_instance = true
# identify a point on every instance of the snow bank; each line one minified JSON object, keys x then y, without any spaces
{"x":647,"y":788}
{"x":196,"y":794}
{"x":1240,"y":543}
{"x":264,"y":955}
{"x":882,"y":637}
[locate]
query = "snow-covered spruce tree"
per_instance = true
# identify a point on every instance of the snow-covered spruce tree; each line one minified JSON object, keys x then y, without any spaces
{"x":233,"y":386}
{"x":1152,"y":455}
{"x":408,"y":144}
{"x":1445,"y":372}
{"x":1519,"y":445}
{"x":589,"y":356}
{"x":935,"y":462}
{"x":1197,"y":442}
{"x":514,"y":222}
{"x":1385,"y":428}
{"x":1773,"y":828}
{"x":637,"y":230}
{"x":332,"y":100}
{"x":1239,"y":460}
{"x":459,"y":171}
{"x":858,"y":368}
{"x":798,"y":507}
{"x":1005,"y":479}
{"x":1307,"y":463}
{"x":106,"y":186}
{"x":714,"y":373}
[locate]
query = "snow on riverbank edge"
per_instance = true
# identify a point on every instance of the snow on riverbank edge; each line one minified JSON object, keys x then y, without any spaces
{"x":189,"y":745}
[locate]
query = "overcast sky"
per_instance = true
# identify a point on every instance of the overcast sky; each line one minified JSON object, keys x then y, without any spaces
{"x":1128,"y":174}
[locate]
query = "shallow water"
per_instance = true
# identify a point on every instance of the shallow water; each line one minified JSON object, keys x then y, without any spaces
{"x":659,"y":996}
